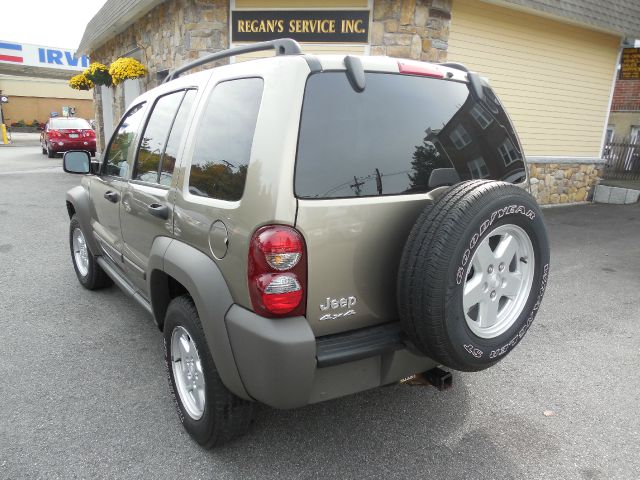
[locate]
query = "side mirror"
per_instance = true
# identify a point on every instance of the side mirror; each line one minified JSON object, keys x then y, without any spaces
{"x":76,"y":161}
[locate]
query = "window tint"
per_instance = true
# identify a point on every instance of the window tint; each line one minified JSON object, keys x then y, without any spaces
{"x":481,"y":116}
{"x":154,"y":138}
{"x":175,"y":138}
{"x":223,"y":142}
{"x":508,"y":152}
{"x":478,"y":168}
{"x":121,"y":143}
{"x":389,"y":138}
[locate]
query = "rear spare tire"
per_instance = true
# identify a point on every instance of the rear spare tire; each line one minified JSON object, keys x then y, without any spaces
{"x":473,"y":273}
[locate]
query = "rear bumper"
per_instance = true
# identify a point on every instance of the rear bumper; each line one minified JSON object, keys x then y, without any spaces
{"x":89,"y":145}
{"x":283,"y":365}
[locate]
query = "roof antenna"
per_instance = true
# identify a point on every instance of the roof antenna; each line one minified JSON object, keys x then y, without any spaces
{"x":355,"y":73}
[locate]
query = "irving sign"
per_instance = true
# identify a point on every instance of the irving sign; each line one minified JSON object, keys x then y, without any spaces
{"x":323,"y":26}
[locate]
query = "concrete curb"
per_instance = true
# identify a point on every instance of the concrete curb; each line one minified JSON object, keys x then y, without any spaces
{"x":569,"y":204}
{"x":615,"y":195}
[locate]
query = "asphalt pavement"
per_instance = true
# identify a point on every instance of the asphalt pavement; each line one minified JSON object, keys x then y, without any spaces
{"x":84,"y":394}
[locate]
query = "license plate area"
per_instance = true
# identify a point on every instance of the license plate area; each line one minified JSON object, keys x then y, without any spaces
{"x":73,"y":135}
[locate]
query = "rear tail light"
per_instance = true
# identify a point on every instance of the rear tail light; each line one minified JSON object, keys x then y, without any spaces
{"x":54,"y":134}
{"x":88,"y":133}
{"x":420,"y":68}
{"x":277,"y":271}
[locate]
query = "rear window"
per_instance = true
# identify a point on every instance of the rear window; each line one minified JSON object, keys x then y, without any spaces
{"x":389,"y":139}
{"x":75,"y":123}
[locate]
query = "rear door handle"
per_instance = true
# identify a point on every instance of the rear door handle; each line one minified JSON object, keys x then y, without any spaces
{"x":111,"y":196}
{"x":157,"y":210}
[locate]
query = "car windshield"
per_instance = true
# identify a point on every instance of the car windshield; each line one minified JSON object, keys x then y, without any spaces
{"x":390,"y":138}
{"x":75,"y":123}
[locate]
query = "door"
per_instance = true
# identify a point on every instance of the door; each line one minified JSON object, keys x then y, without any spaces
{"x":107,"y":188}
{"x":147,"y":200}
{"x":365,"y":164}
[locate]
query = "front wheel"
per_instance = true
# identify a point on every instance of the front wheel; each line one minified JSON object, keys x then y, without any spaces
{"x":89,"y":273}
{"x":207,"y":409}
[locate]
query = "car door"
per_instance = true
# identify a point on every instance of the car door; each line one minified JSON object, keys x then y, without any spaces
{"x":147,"y":200}
{"x":106,"y":188}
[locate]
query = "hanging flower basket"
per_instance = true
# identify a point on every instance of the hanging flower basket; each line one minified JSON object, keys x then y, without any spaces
{"x":98,"y":73}
{"x":126,"y":68}
{"x":80,"y":82}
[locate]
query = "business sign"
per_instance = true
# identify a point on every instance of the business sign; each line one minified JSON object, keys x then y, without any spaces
{"x":38,"y":56}
{"x":321,"y":26}
{"x":630,"y":64}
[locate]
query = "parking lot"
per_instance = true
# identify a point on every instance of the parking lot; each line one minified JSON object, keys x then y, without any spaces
{"x":83,"y":390}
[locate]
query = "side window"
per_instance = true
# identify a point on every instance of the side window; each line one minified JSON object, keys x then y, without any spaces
{"x":115,"y":161}
{"x":175,"y":138}
{"x":223,"y":142}
{"x":154,"y":138}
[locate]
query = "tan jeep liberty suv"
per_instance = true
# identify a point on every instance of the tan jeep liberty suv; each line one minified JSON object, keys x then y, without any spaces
{"x":305,"y":227}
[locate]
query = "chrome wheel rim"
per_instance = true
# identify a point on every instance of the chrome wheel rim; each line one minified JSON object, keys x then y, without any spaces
{"x":80,"y":252}
{"x":498,"y":281}
{"x":187,"y":372}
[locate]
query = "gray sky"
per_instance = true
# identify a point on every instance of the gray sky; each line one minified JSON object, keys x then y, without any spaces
{"x":51,"y":23}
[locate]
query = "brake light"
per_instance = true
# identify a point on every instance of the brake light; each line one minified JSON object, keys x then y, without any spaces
{"x":54,"y":134}
{"x":277,"y":271}
{"x":419,"y":68}
{"x":88,"y":133}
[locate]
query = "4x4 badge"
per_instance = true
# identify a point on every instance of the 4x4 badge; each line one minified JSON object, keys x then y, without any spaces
{"x":333,"y":316}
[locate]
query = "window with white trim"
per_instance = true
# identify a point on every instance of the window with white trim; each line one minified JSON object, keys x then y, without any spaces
{"x":481,"y":116}
{"x":460,"y":137}
{"x":508,"y":152}
{"x":478,"y":168}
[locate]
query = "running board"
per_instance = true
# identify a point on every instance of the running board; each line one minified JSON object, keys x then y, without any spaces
{"x":124,"y":285}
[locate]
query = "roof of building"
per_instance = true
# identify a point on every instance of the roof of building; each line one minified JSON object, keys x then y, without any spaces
{"x":113,"y":18}
{"x":621,"y":17}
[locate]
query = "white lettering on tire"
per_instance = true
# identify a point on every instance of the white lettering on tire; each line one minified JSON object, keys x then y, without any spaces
{"x":501,"y":212}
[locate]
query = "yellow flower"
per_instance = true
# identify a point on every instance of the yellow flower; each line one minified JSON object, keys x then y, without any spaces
{"x":126,"y":68}
{"x":98,"y":73}
{"x":80,"y":82}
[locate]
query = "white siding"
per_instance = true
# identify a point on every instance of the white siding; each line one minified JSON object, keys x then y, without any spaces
{"x":555,"y":79}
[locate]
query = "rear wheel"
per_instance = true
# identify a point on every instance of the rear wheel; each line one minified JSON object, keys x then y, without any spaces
{"x":207,"y":409}
{"x":50,"y":152}
{"x":473,"y":273}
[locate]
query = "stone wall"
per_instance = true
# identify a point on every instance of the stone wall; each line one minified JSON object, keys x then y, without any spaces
{"x":417,"y":29}
{"x":170,"y":35}
{"x":556,"y":183}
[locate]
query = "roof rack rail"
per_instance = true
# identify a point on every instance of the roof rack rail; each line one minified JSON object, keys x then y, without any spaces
{"x":282,"y":46}
{"x":456,"y":65}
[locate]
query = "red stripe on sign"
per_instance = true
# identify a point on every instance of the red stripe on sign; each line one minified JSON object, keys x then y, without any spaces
{"x":11,"y":58}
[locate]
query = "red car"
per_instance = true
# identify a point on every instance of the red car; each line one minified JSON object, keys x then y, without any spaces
{"x":61,"y":134}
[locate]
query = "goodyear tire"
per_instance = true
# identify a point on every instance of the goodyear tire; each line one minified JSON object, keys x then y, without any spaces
{"x":473,"y":273}
{"x":207,"y":409}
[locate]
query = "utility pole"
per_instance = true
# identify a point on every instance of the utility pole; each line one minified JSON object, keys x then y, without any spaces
{"x":379,"y":181}
{"x":356,"y":186}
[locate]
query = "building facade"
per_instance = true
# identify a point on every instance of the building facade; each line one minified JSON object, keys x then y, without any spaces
{"x":551,"y":63}
{"x":34,"y":78}
{"x":624,"y":121}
